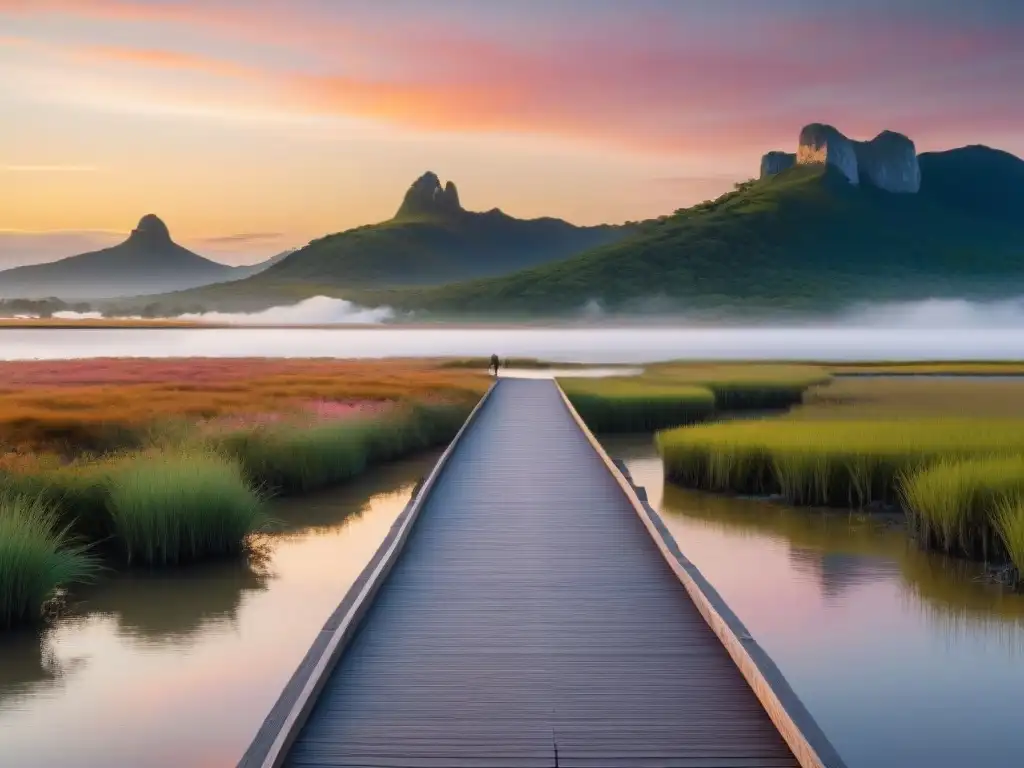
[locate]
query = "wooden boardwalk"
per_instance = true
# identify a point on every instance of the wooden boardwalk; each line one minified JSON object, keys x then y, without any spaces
{"x":529,"y":619}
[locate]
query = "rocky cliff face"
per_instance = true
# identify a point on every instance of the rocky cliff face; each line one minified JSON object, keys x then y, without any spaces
{"x":823,"y":144}
{"x":776,"y":162}
{"x":426,"y":197}
{"x":888,"y":161}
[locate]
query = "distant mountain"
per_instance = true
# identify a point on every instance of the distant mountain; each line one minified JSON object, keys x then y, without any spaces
{"x":238,"y":273}
{"x":148,"y":262}
{"x":984,"y":181}
{"x":803,"y":239}
{"x":432,"y":239}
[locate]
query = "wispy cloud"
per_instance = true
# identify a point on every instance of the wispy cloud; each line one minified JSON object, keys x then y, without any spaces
{"x":670,"y":89}
{"x":49,"y":168}
{"x":164,"y":59}
{"x":243,"y":238}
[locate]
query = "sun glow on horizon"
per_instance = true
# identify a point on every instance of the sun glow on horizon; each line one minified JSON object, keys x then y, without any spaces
{"x":301,"y":119}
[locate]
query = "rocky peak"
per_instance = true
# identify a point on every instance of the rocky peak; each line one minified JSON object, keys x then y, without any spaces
{"x":776,"y":162}
{"x":822,"y":144}
{"x":426,"y":197}
{"x":888,"y":161}
{"x":151,"y":231}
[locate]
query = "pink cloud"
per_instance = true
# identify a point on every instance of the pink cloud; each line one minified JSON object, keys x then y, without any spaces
{"x":663,"y":91}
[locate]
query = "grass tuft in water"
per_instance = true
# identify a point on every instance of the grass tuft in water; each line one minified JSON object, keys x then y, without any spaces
{"x":675,"y":394}
{"x":827,"y":463}
{"x":954,"y":503}
{"x":37,"y":559}
{"x":1009,"y":521}
{"x":168,"y":508}
{"x":631,"y":404}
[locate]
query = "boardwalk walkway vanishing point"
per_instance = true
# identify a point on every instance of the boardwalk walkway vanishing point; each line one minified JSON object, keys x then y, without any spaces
{"x":529,"y":609}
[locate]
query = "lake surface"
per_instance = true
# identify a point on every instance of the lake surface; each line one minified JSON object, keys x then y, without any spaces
{"x":902,"y":657}
{"x":589,"y":345}
{"x":178,"y":670}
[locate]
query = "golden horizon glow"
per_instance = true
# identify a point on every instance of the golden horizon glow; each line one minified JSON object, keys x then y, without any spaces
{"x":290,"y":120}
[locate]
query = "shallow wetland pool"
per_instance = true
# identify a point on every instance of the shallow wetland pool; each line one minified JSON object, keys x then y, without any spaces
{"x":904,"y":658}
{"x":177,"y":670}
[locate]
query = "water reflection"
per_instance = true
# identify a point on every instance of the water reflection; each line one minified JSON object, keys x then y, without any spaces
{"x":175,"y":607}
{"x":838,"y":572}
{"x":905,"y":658}
{"x":178,"y":668}
{"x":390,"y":483}
{"x":29,"y":667}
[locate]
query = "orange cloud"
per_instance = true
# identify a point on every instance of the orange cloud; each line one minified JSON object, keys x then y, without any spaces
{"x":662,"y":92}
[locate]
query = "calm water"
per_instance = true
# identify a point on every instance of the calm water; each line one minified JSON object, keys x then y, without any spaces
{"x":179,"y":670}
{"x":902,"y":657}
{"x":593,"y":345}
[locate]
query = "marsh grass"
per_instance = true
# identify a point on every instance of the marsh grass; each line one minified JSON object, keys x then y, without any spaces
{"x":826,"y":463}
{"x":1009,"y":522}
{"x":38,"y":559}
{"x":912,"y":398}
{"x":289,"y":459}
{"x":674,"y":394}
{"x":167,"y":509}
{"x":954,"y":504}
{"x":77,"y":493}
{"x":107,"y":405}
{"x":747,"y":386}
{"x":636,"y":404}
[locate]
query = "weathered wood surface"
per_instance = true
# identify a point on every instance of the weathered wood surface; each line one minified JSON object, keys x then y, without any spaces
{"x":532,"y":620}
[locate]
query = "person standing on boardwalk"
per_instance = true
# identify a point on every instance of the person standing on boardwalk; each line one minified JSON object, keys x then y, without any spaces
{"x":495,"y":362}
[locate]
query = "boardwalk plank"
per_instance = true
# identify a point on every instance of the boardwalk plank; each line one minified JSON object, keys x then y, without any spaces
{"x":530,"y":607}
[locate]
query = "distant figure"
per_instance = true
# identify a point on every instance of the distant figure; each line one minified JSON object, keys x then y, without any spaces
{"x":495,"y":363}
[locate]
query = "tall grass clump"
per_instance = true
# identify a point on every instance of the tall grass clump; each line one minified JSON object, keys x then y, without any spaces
{"x":1009,"y":520}
{"x":168,"y":508}
{"x":830,"y":463}
{"x":77,"y":495}
{"x":634,"y":404}
{"x":294,"y":459}
{"x":37,"y":559}
{"x":954,"y":504}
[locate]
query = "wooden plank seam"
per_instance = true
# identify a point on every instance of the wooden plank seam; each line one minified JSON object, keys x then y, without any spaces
{"x":300,"y":710}
{"x":801,"y":733}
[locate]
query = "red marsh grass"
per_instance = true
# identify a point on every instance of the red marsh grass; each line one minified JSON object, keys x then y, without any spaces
{"x":161,"y":462}
{"x":105,"y":404}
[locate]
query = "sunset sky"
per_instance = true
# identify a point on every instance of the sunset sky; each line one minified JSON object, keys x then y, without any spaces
{"x":251,"y":126}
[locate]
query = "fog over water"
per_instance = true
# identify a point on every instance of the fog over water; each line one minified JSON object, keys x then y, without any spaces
{"x":926,"y":330}
{"x":938,"y":313}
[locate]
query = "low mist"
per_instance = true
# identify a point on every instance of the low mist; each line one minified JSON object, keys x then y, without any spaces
{"x":957,"y":314}
{"x":316,"y":310}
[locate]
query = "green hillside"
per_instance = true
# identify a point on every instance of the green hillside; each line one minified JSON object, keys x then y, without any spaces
{"x":433,"y":240}
{"x":804,"y":239}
